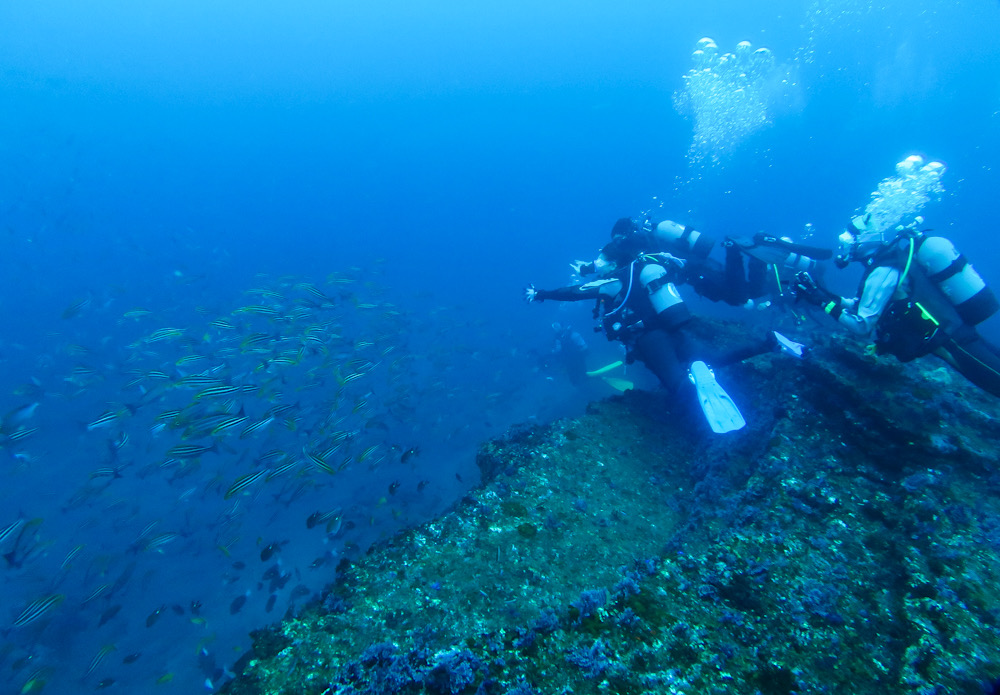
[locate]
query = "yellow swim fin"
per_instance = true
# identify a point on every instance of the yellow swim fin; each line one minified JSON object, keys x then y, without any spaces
{"x":618,"y":384}
{"x":605,"y":368}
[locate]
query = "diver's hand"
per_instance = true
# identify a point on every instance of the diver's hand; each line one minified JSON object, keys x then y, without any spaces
{"x":581,"y":268}
{"x":667,"y":259}
{"x":671,"y":258}
{"x":806,"y":288}
{"x":531,"y":294}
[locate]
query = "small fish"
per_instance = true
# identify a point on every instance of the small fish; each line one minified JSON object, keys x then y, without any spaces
{"x":190,"y":451}
{"x":229,"y":423}
{"x":165,"y":334}
{"x":315,"y":291}
{"x":188,"y":359}
{"x":269,"y":550}
{"x":237,"y":605}
{"x":158,"y":541}
{"x":105,"y":420}
{"x":121,"y":441}
{"x":154,"y":616}
{"x":36,"y":681}
{"x":165,"y":678}
{"x":317,"y":518}
{"x":96,"y":593}
{"x":38,"y":609}
{"x":258,"y":309}
{"x":76,"y":307}
{"x":393,"y":486}
{"x":253,"y":340}
{"x":271,"y":573}
{"x":131,"y":658}
{"x":99,"y":657}
{"x":367,"y":452}
{"x":256,"y":427}
{"x":70,"y":556}
{"x":271,"y":600}
{"x":197,"y":381}
{"x":11,"y":530}
{"x":215,"y":391}
{"x":344,"y":380}
{"x":246,"y":481}
{"x":21,"y":433}
{"x":409,"y":453}
{"x":109,"y":614}
{"x":106,"y":473}
{"x":21,"y":413}
{"x":318,"y":461}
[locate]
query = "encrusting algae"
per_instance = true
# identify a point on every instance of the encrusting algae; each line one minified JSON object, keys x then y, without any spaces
{"x":847,"y":541}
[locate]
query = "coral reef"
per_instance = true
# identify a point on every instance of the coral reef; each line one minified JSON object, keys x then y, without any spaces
{"x":847,"y":541}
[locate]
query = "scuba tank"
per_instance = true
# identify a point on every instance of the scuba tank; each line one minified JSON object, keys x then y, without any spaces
{"x":785,"y":253}
{"x":957,"y":279}
{"x":663,"y":295}
{"x":687,"y":239}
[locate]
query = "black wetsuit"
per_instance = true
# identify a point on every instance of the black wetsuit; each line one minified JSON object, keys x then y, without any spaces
{"x":744,"y":274}
{"x":659,"y":340}
{"x":570,"y":350}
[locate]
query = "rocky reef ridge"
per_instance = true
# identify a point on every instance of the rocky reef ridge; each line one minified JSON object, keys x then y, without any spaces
{"x":848,"y":540}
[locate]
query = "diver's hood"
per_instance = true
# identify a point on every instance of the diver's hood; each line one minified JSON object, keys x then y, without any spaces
{"x":859,"y":242}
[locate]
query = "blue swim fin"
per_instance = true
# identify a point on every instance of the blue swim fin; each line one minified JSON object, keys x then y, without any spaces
{"x":789,"y":346}
{"x":720,"y":411}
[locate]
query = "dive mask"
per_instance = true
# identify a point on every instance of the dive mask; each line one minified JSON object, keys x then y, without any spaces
{"x":858,"y":242}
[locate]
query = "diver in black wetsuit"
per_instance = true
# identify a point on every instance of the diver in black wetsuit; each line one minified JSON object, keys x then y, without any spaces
{"x":569,"y":349}
{"x":743,"y":277}
{"x":638,"y":304}
{"x":918,"y":296}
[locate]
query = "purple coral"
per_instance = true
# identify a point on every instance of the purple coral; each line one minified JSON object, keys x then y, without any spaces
{"x":593,"y":661}
{"x":589,"y":602}
{"x":453,"y":672}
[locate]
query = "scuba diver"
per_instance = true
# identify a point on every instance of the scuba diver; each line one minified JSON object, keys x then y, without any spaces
{"x":637,"y":303}
{"x":918,"y":296}
{"x":741,"y":279}
{"x":570,"y":350}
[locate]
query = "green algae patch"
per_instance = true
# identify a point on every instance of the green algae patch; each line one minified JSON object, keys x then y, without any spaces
{"x":844,"y":542}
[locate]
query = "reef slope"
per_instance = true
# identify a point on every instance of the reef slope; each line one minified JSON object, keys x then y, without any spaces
{"x":848,"y":540}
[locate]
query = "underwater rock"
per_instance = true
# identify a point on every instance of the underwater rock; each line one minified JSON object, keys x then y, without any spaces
{"x":848,"y":540}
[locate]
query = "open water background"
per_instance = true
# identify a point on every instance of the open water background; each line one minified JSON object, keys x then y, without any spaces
{"x":171,"y":156}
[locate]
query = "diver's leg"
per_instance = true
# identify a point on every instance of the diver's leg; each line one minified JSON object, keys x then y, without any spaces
{"x":656,"y":350}
{"x":757,"y":278}
{"x":736,"y":281}
{"x":977,"y":360}
{"x":719,"y":357}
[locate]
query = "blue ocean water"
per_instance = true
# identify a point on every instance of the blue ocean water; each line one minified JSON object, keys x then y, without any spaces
{"x":418,"y":164}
